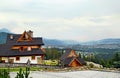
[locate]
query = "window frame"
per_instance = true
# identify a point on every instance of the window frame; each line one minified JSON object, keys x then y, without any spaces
{"x":33,"y":57}
{"x":17,"y":58}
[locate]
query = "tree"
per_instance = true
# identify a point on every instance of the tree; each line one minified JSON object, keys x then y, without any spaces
{"x":79,"y":55}
{"x":4,"y":73}
{"x":116,"y":57}
{"x":102,"y":62}
{"x":52,"y":53}
{"x":116,"y":60}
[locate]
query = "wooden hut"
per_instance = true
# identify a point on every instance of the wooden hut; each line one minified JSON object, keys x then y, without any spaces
{"x":71,"y":59}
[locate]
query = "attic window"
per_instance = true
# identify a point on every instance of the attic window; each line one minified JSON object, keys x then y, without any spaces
{"x":17,"y":58}
{"x":21,"y":48}
{"x":11,"y":36}
{"x":32,"y":57}
{"x":26,"y":36}
{"x":29,"y":48}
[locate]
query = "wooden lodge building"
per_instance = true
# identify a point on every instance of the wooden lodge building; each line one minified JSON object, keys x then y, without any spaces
{"x":19,"y":48}
{"x":71,"y":59}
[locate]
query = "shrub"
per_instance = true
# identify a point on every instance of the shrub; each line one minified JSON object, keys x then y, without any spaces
{"x":4,"y":73}
{"x":22,"y":74}
{"x":91,"y":65}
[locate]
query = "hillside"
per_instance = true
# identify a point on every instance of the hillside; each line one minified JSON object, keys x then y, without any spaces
{"x":5,"y":30}
{"x":47,"y":42}
{"x":3,"y":35}
{"x":54,"y":42}
{"x":103,"y":41}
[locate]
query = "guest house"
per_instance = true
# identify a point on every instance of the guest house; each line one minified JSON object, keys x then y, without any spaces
{"x":21,"y":48}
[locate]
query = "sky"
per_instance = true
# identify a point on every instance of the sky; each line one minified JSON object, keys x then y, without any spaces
{"x":79,"y":20}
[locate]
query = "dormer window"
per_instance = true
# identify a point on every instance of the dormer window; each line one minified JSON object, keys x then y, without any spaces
{"x":11,"y":37}
{"x":29,"y":48}
{"x":26,"y":36}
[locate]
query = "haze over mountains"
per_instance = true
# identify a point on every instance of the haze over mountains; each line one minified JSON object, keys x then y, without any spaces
{"x":5,"y":30}
{"x":55,"y":42}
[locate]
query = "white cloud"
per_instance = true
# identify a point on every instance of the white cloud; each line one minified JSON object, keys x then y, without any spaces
{"x":66,"y":19}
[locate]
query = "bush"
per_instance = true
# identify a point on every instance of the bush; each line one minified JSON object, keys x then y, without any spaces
{"x":22,"y":74}
{"x":4,"y":73}
{"x":91,"y":65}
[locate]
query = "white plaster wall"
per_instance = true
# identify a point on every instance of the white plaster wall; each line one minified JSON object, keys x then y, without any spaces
{"x":5,"y":58}
{"x":24,"y":59}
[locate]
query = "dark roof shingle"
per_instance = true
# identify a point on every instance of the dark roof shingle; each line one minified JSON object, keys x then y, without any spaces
{"x":5,"y":49}
{"x":67,"y":60}
{"x":67,"y":52}
{"x":35,"y":41}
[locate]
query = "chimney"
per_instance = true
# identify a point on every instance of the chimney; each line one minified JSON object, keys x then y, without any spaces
{"x":30,"y":33}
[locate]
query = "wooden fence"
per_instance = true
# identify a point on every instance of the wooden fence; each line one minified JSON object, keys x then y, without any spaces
{"x":24,"y":64}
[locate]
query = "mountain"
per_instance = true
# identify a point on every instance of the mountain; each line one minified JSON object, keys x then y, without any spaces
{"x":103,"y":41}
{"x":55,"y":42}
{"x":52,"y":42}
{"x":3,"y":35}
{"x":5,"y":30}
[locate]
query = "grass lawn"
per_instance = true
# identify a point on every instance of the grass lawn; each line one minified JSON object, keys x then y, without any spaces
{"x":16,"y":69}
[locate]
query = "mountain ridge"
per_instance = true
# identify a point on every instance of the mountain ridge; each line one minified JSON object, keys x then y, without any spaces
{"x":56,"y":42}
{"x":103,"y":41}
{"x":5,"y":30}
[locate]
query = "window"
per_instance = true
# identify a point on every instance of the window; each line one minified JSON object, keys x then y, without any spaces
{"x":33,"y":57}
{"x":21,"y":48}
{"x":17,"y":58}
{"x":11,"y":37}
{"x":29,"y":48}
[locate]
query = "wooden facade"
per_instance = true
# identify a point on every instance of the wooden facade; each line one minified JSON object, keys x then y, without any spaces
{"x":20,"y":48}
{"x":70,"y":58}
{"x":72,"y":54}
{"x":75,"y":63}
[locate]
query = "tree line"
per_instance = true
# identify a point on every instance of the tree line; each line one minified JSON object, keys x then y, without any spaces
{"x":114,"y":61}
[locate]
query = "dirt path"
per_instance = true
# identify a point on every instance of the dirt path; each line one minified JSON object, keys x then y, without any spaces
{"x":75,"y":74}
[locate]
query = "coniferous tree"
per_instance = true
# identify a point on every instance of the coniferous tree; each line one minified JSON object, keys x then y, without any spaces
{"x":79,"y":55}
{"x":116,"y":57}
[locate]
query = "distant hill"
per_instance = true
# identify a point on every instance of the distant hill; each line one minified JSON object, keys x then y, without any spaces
{"x":5,"y":30}
{"x":3,"y":35}
{"x":52,"y":42}
{"x":103,"y":41}
{"x":47,"y":42}
{"x":55,"y":42}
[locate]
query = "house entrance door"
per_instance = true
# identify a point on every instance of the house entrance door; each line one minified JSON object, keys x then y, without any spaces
{"x":11,"y":60}
{"x":39,"y":60}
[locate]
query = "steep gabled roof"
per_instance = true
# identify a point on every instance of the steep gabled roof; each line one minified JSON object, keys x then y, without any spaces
{"x":66,"y":54}
{"x":67,"y":61}
{"x":24,"y":37}
{"x":35,"y":41}
{"x":70,"y":57}
{"x":5,"y":50}
{"x":81,"y":61}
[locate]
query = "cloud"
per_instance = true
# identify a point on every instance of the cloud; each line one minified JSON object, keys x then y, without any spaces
{"x":80,"y":20}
